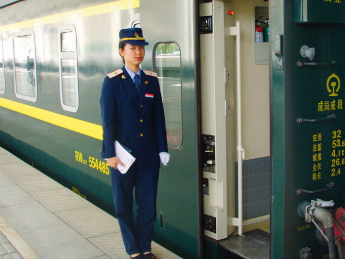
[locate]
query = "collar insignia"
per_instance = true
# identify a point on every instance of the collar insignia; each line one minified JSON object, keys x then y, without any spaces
{"x":146,"y":82}
{"x":123,"y":77}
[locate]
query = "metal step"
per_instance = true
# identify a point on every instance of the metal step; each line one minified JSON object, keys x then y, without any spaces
{"x":254,"y":244}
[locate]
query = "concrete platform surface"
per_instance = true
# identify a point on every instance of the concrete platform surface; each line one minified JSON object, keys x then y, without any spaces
{"x":40,"y":218}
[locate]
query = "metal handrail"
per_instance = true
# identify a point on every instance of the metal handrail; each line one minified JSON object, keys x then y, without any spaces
{"x":329,"y":117}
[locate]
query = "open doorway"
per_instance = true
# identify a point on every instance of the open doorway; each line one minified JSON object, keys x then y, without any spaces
{"x":219,"y":68}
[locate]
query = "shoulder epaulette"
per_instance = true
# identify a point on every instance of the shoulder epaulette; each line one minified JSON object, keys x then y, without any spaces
{"x":150,"y":73}
{"x":115,"y":73}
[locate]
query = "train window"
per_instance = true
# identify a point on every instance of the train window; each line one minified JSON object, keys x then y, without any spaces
{"x":68,"y":67}
{"x":67,"y":41}
{"x":2,"y":69}
{"x":167,"y":64}
{"x":24,"y":66}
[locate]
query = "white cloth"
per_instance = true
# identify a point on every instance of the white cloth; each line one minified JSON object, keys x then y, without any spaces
{"x":165,"y":157}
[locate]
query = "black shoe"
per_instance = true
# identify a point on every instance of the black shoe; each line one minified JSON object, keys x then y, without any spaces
{"x":149,"y":256}
{"x":136,"y":257}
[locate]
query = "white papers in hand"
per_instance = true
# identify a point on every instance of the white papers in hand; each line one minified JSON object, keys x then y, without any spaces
{"x":125,"y":157}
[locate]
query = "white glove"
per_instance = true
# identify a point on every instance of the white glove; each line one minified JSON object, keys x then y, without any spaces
{"x":165,"y":157}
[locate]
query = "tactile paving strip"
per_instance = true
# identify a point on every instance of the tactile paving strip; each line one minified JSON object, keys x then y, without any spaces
{"x":7,"y":250}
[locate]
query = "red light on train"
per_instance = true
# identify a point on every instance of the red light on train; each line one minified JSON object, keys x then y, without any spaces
{"x":231,"y":12}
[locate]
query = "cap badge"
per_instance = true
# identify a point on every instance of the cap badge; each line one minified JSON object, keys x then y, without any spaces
{"x":136,"y":34}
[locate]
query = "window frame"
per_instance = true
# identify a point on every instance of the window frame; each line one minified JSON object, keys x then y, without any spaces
{"x":68,"y":55}
{"x":3,"y":63}
{"x":18,"y":95}
{"x":135,"y":20}
{"x":161,"y":88}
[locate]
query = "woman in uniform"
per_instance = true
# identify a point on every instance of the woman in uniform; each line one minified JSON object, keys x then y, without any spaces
{"x":132,"y":114}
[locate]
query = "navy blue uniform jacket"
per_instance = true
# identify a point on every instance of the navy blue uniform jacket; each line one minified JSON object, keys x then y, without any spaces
{"x":136,"y":121}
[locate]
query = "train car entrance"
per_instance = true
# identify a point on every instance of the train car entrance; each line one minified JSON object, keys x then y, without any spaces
{"x":192,"y":60}
{"x":235,"y":98}
{"x":254,"y":105}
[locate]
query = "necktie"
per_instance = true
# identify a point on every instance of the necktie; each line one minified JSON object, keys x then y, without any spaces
{"x":136,"y":82}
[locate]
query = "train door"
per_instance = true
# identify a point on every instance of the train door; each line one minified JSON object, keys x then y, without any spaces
{"x":175,"y":44}
{"x":307,"y":127}
{"x":235,"y":98}
{"x":170,"y":28}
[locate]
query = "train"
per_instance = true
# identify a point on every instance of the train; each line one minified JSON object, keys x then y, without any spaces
{"x":254,"y":111}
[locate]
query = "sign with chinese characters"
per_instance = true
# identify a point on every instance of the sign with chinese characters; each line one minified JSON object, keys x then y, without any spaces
{"x":333,"y":102}
{"x":337,"y":155}
{"x":317,"y":156}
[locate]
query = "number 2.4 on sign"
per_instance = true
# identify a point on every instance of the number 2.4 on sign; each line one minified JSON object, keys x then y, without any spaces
{"x":335,"y":172}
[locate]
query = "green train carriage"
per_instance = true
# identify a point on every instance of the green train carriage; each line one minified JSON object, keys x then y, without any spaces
{"x":254,"y":128}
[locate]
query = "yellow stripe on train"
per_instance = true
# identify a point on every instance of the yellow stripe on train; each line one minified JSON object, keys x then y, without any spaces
{"x":84,"y":12}
{"x":82,"y":127}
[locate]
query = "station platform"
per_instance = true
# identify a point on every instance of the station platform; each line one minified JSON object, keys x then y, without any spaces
{"x":40,"y":218}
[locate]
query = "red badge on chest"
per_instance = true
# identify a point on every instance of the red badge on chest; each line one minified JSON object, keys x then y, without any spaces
{"x":149,"y":95}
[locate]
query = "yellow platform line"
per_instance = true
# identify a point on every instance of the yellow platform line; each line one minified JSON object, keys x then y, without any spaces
{"x":84,"y":12}
{"x":80,"y":126}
